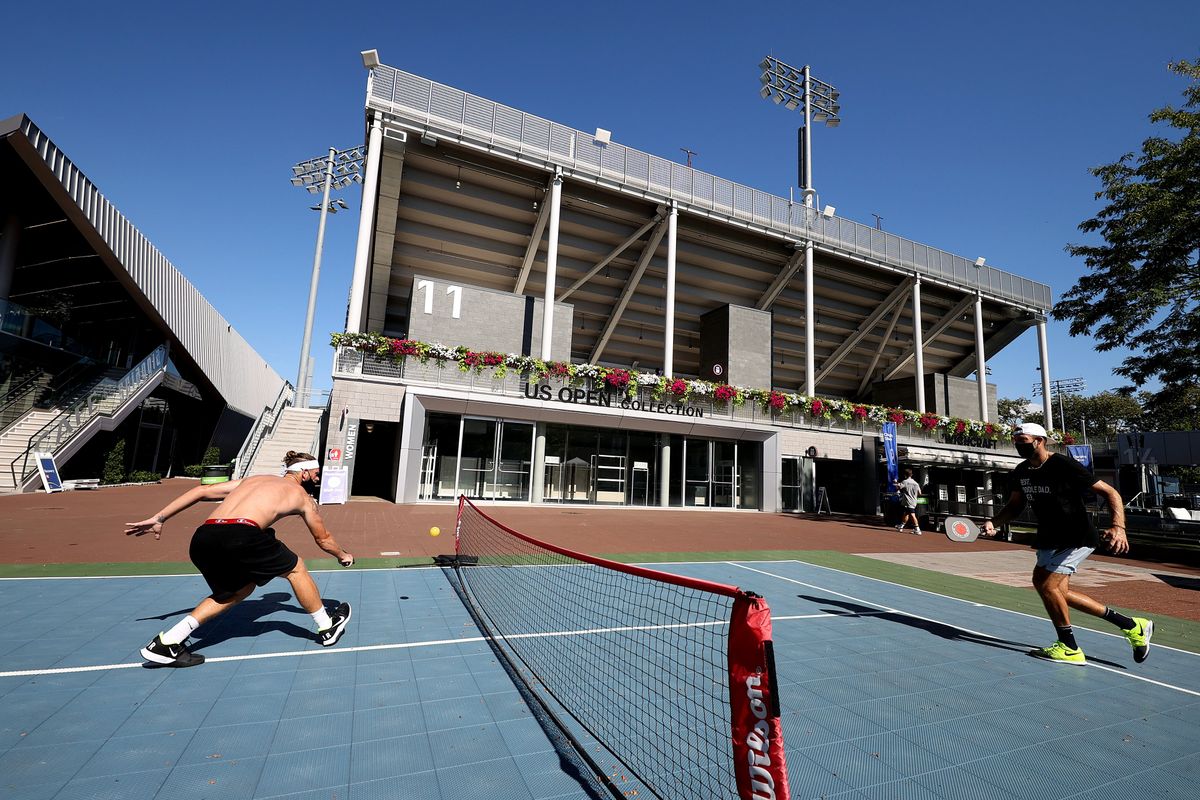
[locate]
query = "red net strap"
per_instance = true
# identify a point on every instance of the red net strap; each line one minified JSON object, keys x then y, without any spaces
{"x":758,"y":759}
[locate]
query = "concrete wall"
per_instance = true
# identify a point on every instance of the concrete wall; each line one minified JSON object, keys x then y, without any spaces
{"x":486,"y":319}
{"x":794,"y":442}
{"x":944,"y":394}
{"x":737,"y":341}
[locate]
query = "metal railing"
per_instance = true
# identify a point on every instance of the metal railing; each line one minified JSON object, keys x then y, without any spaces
{"x":263,"y":427}
{"x":105,"y":399}
{"x":438,"y":108}
{"x":355,"y":364}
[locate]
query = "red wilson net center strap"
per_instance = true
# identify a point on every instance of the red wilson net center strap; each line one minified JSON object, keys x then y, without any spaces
{"x":668,"y":681}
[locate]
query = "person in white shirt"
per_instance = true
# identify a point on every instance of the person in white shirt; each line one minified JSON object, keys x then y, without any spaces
{"x":910,"y":490}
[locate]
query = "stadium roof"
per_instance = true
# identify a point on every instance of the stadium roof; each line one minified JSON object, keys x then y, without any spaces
{"x":462,"y":193}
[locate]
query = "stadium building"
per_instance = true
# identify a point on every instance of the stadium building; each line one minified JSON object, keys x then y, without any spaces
{"x":493,"y":242}
{"x":108,"y":355}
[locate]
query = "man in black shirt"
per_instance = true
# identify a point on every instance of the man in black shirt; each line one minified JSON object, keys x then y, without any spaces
{"x":1055,"y":484}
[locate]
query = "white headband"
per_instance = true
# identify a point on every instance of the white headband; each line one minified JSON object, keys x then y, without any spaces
{"x":300,"y":466}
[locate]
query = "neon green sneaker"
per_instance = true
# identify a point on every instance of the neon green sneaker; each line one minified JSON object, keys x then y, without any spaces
{"x":1061,"y":653}
{"x":1139,"y":636}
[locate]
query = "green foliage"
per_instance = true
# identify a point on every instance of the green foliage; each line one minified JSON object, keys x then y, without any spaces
{"x":1102,"y":415}
{"x":211,"y":456}
{"x":1011,"y":411}
{"x":193,"y":470}
{"x":114,"y":464}
{"x":1143,"y":286}
{"x":1173,"y":409}
{"x":143,"y":476}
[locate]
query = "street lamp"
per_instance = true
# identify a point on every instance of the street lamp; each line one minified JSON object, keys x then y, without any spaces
{"x":334,"y":171}
{"x":793,"y":88}
{"x":1057,"y":389}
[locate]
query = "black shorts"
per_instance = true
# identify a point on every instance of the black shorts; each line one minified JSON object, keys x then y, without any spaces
{"x":229,"y":556}
{"x":909,"y":509}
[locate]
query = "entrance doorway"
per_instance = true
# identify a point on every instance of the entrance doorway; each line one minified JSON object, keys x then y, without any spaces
{"x":483,"y":458}
{"x":375,"y":460}
{"x":600,"y":466}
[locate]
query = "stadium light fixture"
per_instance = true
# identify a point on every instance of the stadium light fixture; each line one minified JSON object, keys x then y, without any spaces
{"x":828,"y":212}
{"x":370,"y":58}
{"x":794,"y":87}
{"x":318,"y":176}
{"x":979,"y":261}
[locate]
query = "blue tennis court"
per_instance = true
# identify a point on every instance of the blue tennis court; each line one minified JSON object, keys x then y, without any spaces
{"x":886,"y":692}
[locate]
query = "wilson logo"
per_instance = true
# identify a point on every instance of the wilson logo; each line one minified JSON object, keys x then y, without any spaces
{"x":758,"y":740}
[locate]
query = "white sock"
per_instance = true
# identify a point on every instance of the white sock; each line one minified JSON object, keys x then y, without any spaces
{"x":181,"y":631}
{"x":322,"y":619}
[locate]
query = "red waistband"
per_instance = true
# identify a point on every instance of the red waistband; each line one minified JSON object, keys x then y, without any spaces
{"x":231,"y":521}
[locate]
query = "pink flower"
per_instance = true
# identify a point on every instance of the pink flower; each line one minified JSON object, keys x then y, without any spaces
{"x":860,"y":412}
{"x":677,"y":387}
{"x":896,"y":415}
{"x":777,"y":401}
{"x":617,"y":378}
{"x":817,"y":407}
{"x":725,"y":393}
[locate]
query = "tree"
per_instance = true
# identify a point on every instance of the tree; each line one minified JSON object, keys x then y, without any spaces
{"x":1011,"y":411}
{"x":1101,"y":416}
{"x":1143,"y":289}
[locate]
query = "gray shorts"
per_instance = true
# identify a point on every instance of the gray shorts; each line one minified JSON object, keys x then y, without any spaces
{"x":1064,"y":561}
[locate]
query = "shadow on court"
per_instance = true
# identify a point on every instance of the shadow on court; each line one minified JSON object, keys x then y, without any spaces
{"x":844,"y":608}
{"x":1180,"y":581}
{"x":246,"y":620}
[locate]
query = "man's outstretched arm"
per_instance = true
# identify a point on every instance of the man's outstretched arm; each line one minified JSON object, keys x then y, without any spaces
{"x":215,"y":491}
{"x":321,"y":535}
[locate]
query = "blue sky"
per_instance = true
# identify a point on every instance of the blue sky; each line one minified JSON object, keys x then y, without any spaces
{"x":965,"y":127}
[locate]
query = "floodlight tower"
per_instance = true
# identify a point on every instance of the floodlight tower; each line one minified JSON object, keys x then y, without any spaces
{"x":334,"y":171}
{"x":795,"y":88}
{"x":1057,"y":389}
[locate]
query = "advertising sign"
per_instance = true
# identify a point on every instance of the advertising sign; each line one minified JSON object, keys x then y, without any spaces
{"x":335,"y":485}
{"x":889,"y":451}
{"x":1081,"y":453}
{"x":49,"y":472}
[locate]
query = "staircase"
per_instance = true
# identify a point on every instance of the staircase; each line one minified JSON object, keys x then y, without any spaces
{"x":62,"y":430}
{"x":297,"y":429}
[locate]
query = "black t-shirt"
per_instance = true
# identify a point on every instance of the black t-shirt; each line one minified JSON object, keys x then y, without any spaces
{"x":1056,"y":491}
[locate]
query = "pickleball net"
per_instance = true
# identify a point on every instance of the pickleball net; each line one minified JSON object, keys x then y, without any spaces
{"x":664,"y":684}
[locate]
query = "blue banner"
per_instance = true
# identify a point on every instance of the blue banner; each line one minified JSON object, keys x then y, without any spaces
{"x":889,"y":451}
{"x":1081,"y":453}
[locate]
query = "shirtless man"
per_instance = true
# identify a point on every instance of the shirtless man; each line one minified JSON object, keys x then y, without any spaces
{"x":236,"y":549}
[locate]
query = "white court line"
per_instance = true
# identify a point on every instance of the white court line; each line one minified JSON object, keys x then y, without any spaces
{"x":1113,"y":670}
{"x":192,"y":574}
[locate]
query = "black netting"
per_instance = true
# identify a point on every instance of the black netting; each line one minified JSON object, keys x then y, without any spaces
{"x":637,"y":665}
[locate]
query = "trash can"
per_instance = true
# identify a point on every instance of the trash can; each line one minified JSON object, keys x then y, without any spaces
{"x":216,"y":473}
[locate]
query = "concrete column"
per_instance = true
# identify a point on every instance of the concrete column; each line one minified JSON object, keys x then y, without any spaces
{"x":9,"y":239}
{"x":551,"y":266}
{"x":980,"y":360}
{"x":537,"y":493}
{"x":664,"y":472}
{"x":1044,"y":356}
{"x":669,"y":327}
{"x":918,"y":346}
{"x":810,"y":320}
{"x":366,"y":225}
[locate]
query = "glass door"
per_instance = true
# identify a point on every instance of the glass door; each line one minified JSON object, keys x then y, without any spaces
{"x":697,"y":472}
{"x":726,"y":480}
{"x":514,"y":461}
{"x":476,"y":457}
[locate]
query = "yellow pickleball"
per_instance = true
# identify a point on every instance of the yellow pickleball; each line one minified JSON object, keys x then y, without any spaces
{"x":435,"y":531}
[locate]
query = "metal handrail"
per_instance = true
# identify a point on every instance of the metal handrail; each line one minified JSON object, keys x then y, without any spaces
{"x":60,"y":430}
{"x":249,"y":449}
{"x":19,"y":393}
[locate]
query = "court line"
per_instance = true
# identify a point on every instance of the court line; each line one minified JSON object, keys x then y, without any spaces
{"x":397,"y":646}
{"x":889,"y":609}
{"x":190,"y":574}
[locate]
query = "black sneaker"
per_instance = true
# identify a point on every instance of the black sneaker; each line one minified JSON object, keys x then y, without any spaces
{"x":340,"y":616}
{"x":170,"y":655}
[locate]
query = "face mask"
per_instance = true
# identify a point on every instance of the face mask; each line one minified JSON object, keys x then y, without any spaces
{"x":311,"y":486}
{"x":1025,"y":449}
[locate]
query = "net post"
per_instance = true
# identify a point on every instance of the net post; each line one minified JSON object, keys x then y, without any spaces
{"x":758,"y":755}
{"x":462,"y":498}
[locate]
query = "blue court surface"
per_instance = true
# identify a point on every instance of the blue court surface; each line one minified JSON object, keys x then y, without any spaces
{"x":887,"y":692}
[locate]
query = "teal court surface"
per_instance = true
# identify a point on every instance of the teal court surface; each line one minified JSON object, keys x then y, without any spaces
{"x":886,"y":692}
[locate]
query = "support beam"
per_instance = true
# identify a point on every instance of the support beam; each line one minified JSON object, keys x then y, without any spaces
{"x":980,"y":360}
{"x":887,"y":336}
{"x":669,"y":311}
{"x":1044,"y":357}
{"x":535,"y":239}
{"x":631,"y":285}
{"x":781,"y":281}
{"x":604,"y":262}
{"x":810,"y":311}
{"x":551,"y":266}
{"x":940,"y":327}
{"x":868,"y":325}
{"x":366,"y":222}
{"x":1000,"y":339}
{"x":918,"y":346}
